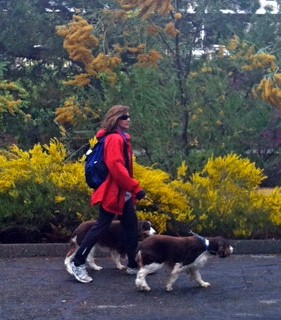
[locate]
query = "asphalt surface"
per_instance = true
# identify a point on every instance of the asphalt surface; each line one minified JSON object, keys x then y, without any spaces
{"x":242,"y":287}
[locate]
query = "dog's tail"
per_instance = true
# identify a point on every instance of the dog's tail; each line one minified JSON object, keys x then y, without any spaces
{"x":70,"y":254}
{"x":73,"y":246}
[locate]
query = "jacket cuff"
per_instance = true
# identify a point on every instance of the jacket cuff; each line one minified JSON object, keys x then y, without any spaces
{"x":138,"y":188}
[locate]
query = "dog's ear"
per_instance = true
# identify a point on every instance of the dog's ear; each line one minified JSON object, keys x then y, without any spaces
{"x":140,"y":223}
{"x":141,"y":233}
{"x":223,"y":248}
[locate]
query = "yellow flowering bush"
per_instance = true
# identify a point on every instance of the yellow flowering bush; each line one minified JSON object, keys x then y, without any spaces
{"x":40,"y":186}
{"x":225,"y":199}
{"x":165,"y":201}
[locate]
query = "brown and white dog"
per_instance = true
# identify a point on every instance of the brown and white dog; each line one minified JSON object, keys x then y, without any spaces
{"x":113,"y":241}
{"x":180,"y":254}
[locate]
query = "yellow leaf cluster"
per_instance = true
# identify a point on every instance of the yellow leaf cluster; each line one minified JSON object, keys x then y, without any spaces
{"x":7,"y":102}
{"x":178,"y":15}
{"x":270,"y":90}
{"x":7,"y":85}
{"x":67,"y":113}
{"x":171,"y":30}
{"x":41,"y":165}
{"x":233,"y":43}
{"x":165,"y":196}
{"x":72,"y":112}
{"x":158,"y":220}
{"x":147,"y":7}
{"x":206,"y":70}
{"x":193,"y":74}
{"x":104,"y":64}
{"x":222,"y":196}
{"x":260,"y":61}
{"x":80,"y":80}
{"x":240,"y":50}
{"x":115,"y":14}
{"x":78,"y":39}
{"x":268,"y":202}
{"x":232,"y":168}
{"x":79,"y":42}
{"x":181,"y":171}
{"x":149,"y":59}
{"x":152,"y":29}
{"x":118,"y":48}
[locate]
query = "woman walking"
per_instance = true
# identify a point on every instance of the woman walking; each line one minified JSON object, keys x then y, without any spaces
{"x":116,"y":195}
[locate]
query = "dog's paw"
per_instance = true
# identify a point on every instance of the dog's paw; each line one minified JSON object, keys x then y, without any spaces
{"x":121,"y":267}
{"x":144,"y":288}
{"x":205,"y":284}
{"x":94,"y":266}
{"x":141,"y":286}
{"x":169,"y":288}
{"x":98,"y":268}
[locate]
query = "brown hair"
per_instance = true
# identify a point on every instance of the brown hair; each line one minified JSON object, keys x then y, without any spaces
{"x":111,"y":118}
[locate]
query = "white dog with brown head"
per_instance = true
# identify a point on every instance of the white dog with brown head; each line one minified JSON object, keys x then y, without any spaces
{"x":112,"y":241}
{"x":180,"y":254}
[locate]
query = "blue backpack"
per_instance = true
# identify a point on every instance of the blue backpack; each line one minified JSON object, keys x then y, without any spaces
{"x":95,"y":168}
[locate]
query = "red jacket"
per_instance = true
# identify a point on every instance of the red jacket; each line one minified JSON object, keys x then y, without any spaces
{"x":111,"y":193}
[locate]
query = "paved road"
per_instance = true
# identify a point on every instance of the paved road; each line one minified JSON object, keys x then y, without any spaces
{"x":242,"y":287}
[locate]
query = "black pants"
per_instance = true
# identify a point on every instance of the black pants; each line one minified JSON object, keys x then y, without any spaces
{"x":129,"y":222}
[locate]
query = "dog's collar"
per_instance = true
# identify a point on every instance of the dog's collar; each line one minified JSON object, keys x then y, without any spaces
{"x":206,"y":242}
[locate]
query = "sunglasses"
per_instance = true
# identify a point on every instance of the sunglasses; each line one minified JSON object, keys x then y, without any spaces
{"x":124,"y":117}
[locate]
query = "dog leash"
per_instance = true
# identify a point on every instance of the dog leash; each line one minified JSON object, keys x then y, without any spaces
{"x":205,"y":241}
{"x":148,"y":199}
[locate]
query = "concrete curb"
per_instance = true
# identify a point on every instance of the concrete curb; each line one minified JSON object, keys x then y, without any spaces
{"x":256,"y":246}
{"x":28,"y":250}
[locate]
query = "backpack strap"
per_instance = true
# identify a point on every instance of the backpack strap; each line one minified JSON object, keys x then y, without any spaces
{"x":125,"y":151}
{"x":126,"y":156}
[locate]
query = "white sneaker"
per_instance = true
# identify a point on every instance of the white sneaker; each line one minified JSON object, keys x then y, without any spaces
{"x":132,"y":270}
{"x":80,"y":273}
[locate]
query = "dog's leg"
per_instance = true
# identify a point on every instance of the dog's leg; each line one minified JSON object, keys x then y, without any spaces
{"x":195,"y":275}
{"x":174,"y":276}
{"x":91,"y":260}
{"x":116,"y":258}
{"x":70,"y":255}
{"x":141,"y":283}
